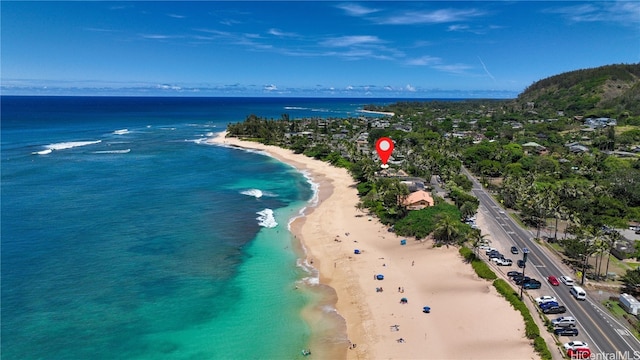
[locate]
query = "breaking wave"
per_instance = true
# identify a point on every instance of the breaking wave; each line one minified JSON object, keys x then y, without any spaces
{"x":266,"y":219}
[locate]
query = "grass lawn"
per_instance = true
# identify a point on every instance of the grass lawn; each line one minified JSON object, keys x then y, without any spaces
{"x":615,"y":308}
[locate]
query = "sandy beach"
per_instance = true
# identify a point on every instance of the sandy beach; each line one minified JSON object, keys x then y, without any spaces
{"x":468,"y":319}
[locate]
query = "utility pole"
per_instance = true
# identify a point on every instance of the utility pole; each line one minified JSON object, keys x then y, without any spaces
{"x":525,"y":252}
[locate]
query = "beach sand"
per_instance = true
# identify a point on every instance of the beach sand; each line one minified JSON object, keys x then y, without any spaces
{"x":468,"y":319}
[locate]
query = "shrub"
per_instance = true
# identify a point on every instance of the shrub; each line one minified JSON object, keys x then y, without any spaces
{"x":483,"y":270}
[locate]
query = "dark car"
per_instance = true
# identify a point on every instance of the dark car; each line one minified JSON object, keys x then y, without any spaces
{"x":521,"y":280}
{"x":514,"y":273}
{"x":566,"y":331}
{"x":514,"y":250}
{"x":532,"y":284}
{"x":548,"y":304}
{"x":555,"y":310}
{"x":495,"y":254}
{"x":520,"y":263}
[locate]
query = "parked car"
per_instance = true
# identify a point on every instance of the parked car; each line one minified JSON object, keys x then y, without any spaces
{"x":514,"y":250}
{"x":503,"y":262}
{"x":575,"y":344}
{"x":545,"y":298}
{"x":548,"y":304}
{"x":532,"y":284}
{"x":566,"y":331}
{"x":564,"y":321}
{"x":514,"y":273}
{"x":520,"y":263}
{"x":555,"y":310}
{"x":489,"y":250}
{"x":567,"y":280}
{"x":495,"y":254}
{"x":553,"y":280}
{"x":521,"y":280}
{"x":579,"y":353}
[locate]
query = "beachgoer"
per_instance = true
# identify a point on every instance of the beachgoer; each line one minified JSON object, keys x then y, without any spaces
{"x":413,"y":263}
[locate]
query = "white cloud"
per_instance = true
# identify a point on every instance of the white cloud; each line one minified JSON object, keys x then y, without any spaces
{"x":431,"y":17}
{"x":353,"y":40}
{"x":424,"y":61}
{"x":279,"y":33}
{"x":270,"y":87}
{"x":356,"y":9}
{"x":410,"y":88}
{"x":622,"y":12}
{"x":176,"y":16}
{"x":453,"y":68}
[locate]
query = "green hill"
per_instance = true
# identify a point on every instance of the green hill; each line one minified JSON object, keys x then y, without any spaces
{"x":609,"y":90}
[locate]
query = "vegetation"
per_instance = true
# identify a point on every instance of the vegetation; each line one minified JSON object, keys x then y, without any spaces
{"x":546,"y":155}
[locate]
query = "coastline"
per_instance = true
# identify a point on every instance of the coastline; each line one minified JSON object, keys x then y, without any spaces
{"x":469,"y":319}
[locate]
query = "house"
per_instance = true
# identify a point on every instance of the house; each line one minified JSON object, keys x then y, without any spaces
{"x":418,"y":200}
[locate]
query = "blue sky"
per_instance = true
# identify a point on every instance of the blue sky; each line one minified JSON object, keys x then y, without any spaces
{"x":414,"y":49}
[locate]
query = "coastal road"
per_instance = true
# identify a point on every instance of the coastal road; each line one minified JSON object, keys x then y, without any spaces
{"x":606,"y":336}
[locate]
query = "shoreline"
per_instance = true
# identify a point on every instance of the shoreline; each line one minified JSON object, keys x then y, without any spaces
{"x":469,"y":319}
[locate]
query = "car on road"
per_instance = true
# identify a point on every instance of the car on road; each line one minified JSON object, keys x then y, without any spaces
{"x":555,"y":310}
{"x":520,"y":263}
{"x":545,"y":298}
{"x":553,"y":280}
{"x":532,"y":284}
{"x":514,"y":250}
{"x":567,"y":280}
{"x":575,"y":345}
{"x":564,"y":321}
{"x":565,"y":331}
{"x":548,"y":304}
{"x":514,"y":273}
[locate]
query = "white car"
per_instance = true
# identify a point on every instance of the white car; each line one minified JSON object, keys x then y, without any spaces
{"x":567,"y":280}
{"x":575,"y":345}
{"x":545,"y":298}
{"x":503,"y":262}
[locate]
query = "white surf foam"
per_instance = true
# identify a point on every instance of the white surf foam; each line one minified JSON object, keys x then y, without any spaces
{"x":253,"y":192}
{"x":43,"y":152}
{"x":71,"y":144}
{"x":124,"y":151}
{"x":266,"y":219}
{"x":121,"y":132}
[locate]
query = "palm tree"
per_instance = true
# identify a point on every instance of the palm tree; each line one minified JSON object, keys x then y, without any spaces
{"x":447,"y":230}
{"x":612,"y":238}
{"x":478,"y":238}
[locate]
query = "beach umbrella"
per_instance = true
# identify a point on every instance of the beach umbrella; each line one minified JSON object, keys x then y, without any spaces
{"x":426,"y":309}
{"x":380,"y":277}
{"x":356,"y":251}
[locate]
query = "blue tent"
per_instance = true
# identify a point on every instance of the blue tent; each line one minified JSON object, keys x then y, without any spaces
{"x":426,"y":309}
{"x":356,"y":251}
{"x":380,"y":277}
{"x":403,"y":242}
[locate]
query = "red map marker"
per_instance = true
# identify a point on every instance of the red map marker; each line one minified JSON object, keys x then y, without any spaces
{"x":384,"y":147}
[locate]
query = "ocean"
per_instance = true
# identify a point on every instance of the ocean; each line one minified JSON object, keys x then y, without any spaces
{"x":126,"y":236}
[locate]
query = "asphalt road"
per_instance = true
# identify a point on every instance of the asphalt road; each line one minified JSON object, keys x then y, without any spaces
{"x":607,"y":337}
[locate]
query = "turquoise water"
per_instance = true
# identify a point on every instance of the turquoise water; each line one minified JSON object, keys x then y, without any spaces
{"x":126,"y":236}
